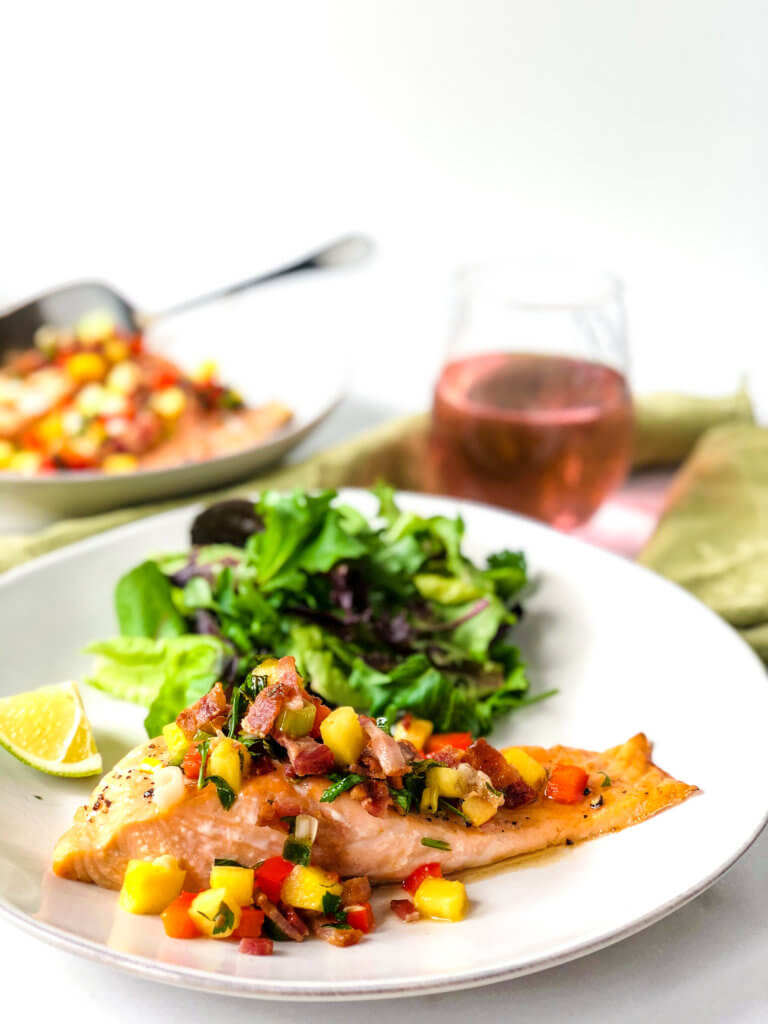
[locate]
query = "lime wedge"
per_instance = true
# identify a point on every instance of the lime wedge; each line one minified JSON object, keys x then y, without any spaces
{"x":48,"y":729}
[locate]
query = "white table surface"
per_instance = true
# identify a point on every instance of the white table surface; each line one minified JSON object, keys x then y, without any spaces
{"x":705,"y":963}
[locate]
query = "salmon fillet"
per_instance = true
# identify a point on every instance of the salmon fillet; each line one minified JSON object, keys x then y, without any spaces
{"x":121,"y":822}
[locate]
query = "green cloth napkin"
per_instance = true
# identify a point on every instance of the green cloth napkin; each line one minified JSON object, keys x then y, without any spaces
{"x":712,"y":538}
{"x":667,"y":427}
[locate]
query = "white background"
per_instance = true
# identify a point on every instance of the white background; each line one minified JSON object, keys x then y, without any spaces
{"x":169,"y":147}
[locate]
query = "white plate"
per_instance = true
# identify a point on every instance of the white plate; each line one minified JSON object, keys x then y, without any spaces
{"x":285,"y":343}
{"x":629,"y":652}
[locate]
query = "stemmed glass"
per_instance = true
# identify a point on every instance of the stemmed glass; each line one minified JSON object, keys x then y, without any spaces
{"x":532,"y":409}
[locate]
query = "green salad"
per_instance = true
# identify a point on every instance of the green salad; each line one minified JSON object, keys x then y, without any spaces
{"x":387,"y":616}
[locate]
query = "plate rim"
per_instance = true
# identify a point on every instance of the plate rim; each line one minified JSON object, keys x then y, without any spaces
{"x":261,"y":988}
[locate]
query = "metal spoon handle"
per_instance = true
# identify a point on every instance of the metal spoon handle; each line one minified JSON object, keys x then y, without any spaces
{"x":344,"y":252}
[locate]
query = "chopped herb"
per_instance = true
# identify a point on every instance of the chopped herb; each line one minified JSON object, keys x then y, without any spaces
{"x":490,"y":788}
{"x":296,"y":851}
{"x":227,"y":795}
{"x":338,"y":925}
{"x":271,"y":931}
{"x":443,"y":805}
{"x":332,"y":908}
{"x":341,"y":783}
{"x":224,"y":920}
{"x":606,"y":780}
{"x":290,"y":820}
{"x":36,"y":796}
{"x":224,"y":862}
{"x":436,"y":844}
{"x":403,"y":798}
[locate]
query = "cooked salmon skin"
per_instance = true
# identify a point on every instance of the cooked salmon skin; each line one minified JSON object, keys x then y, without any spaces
{"x":121,"y":822}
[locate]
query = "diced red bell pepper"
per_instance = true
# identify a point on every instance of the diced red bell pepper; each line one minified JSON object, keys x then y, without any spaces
{"x":257,"y":947}
{"x":417,"y":876}
{"x":566,"y":784}
{"x":191,"y":763}
{"x":459,"y":740}
{"x":360,"y":916}
{"x":251,"y":921}
{"x":176,"y":920}
{"x":271,"y":875}
{"x":321,"y":713}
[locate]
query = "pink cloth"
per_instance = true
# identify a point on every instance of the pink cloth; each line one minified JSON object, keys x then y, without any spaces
{"x":628,"y":518}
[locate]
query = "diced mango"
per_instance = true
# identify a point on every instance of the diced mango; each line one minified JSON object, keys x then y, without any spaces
{"x":342,"y":732}
{"x":6,"y":453}
{"x":531,"y":771}
{"x":447,"y":781}
{"x":120,"y":462}
{"x":86,"y":366}
{"x":116,"y":350}
{"x":176,"y":741}
{"x":225,"y":760}
{"x":478,"y":809}
{"x":237,"y":881}
{"x":306,"y":886}
{"x":413,"y":730}
{"x":441,"y":898}
{"x":95,"y":326}
{"x":429,"y":799}
{"x":150,"y":885}
{"x":169,"y":403}
{"x":215,"y":912}
{"x":24,"y":461}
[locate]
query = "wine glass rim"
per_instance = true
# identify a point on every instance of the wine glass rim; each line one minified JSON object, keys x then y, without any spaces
{"x":495,"y":280}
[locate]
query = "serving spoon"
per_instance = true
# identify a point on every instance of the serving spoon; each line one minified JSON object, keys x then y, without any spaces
{"x":64,"y":306}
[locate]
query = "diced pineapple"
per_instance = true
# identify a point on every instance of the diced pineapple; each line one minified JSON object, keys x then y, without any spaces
{"x":447,"y":781}
{"x":24,"y":461}
{"x":441,"y":898}
{"x":226,"y":761}
{"x":342,"y":732}
{"x":149,"y":886}
{"x":413,"y":730}
{"x":306,"y":886}
{"x":478,"y":809}
{"x":531,"y":771}
{"x":124,"y":378}
{"x":429,"y":799}
{"x":215,"y":912}
{"x":237,"y":881}
{"x":175,"y":740}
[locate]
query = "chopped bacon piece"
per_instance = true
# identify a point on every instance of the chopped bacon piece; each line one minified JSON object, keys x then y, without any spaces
{"x":257,"y":947}
{"x":337,"y":936}
{"x":449,"y":756}
{"x":377,"y":797}
{"x":293,"y":919}
{"x":404,"y":909}
{"x":285,"y":691}
{"x":211,"y":710}
{"x":307,"y":756}
{"x":261,"y":765}
{"x":280,"y":920}
{"x":382,"y":751}
{"x":485,"y":758}
{"x":355,"y":890}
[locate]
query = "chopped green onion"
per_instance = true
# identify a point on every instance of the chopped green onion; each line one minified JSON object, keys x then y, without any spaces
{"x":606,"y":780}
{"x":296,"y":723}
{"x":225,"y":862}
{"x":305,"y":828}
{"x":443,"y":805}
{"x":436,"y":844}
{"x":332,"y":907}
{"x":203,"y":748}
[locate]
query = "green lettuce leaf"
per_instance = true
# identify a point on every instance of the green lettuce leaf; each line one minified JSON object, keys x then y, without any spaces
{"x":144,"y":604}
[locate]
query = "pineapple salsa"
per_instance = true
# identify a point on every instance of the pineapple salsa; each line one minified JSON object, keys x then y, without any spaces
{"x":96,"y":398}
{"x":270,"y":723}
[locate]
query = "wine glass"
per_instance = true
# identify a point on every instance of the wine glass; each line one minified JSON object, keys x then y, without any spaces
{"x":532,"y":409}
